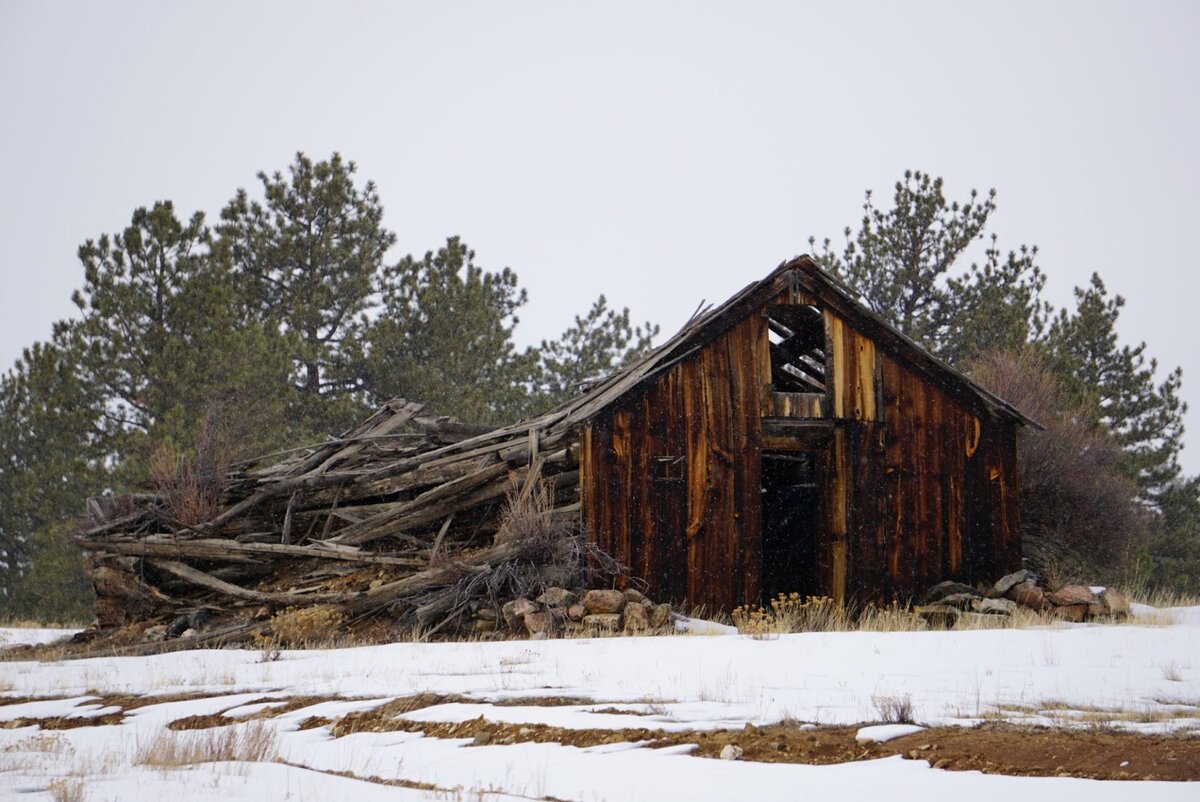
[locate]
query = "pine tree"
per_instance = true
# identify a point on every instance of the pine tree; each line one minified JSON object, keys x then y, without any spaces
{"x":52,"y":453}
{"x":445,"y":337}
{"x":598,"y":343}
{"x":308,"y":255}
{"x":164,"y":338}
{"x":1145,"y":416}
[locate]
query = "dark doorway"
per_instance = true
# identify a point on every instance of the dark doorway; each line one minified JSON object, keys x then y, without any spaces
{"x":792,"y":523}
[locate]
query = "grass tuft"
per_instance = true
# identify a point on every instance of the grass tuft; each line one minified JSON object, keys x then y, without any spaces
{"x":254,"y":742}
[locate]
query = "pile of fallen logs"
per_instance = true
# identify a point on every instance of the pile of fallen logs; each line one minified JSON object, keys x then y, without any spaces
{"x":404,"y":514}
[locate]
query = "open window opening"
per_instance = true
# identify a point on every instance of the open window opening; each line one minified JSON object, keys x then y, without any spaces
{"x":797,"y":335}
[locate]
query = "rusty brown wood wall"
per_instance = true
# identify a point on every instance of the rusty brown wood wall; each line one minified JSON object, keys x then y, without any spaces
{"x":919,"y":487}
{"x":690,"y":529}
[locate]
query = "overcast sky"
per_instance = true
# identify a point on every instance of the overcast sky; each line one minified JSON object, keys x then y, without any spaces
{"x":659,"y":153}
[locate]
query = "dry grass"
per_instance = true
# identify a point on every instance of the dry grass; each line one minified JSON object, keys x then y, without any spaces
{"x":64,"y":790}
{"x":305,"y":628}
{"x":253,"y":742}
{"x":894,"y":709}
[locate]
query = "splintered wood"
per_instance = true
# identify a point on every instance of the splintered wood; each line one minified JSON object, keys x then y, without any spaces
{"x":406,"y":503}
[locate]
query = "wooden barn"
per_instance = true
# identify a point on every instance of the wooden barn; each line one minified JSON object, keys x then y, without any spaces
{"x":788,"y":440}
{"x":792,"y":440}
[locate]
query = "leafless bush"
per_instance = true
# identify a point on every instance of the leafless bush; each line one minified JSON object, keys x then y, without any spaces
{"x":1075,"y":507}
{"x":894,"y":709}
{"x":65,"y":790}
{"x":546,"y":551}
{"x":191,"y":485}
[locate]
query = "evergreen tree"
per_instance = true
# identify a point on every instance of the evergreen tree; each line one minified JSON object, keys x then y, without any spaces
{"x":52,"y":455}
{"x":905,"y":262}
{"x":598,"y":343}
{"x":445,"y":337}
{"x":164,"y":338}
{"x":1145,"y":417}
{"x":308,"y":255}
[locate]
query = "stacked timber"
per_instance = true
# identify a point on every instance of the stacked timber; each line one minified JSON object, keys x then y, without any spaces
{"x":382,"y":519}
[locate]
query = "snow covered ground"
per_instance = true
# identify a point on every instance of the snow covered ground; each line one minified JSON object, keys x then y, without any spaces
{"x":1145,"y":678}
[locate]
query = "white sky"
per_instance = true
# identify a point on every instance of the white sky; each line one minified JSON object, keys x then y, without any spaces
{"x":660,"y":153}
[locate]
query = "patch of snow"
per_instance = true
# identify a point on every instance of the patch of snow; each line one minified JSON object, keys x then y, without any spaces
{"x":698,"y":626}
{"x":14,"y":636}
{"x":881,"y":733}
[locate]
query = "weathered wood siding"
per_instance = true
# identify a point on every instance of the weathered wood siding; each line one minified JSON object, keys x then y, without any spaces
{"x":689,"y":527}
{"x":919,"y":487}
{"x":930,"y":488}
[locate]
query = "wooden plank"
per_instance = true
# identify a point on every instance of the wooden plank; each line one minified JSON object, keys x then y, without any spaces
{"x":797,"y":405}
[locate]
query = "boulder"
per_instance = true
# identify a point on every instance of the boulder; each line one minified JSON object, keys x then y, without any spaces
{"x":1029,"y":595}
{"x":487,"y":614}
{"x":961,"y":601}
{"x":732,"y":752}
{"x":515,"y":610}
{"x":938,"y":616}
{"x":632,"y":595}
{"x":1116,"y":603}
{"x":1004,"y":584}
{"x":155,"y":633}
{"x":636,"y":618}
{"x":605,"y":622}
{"x":603,"y":602}
{"x":949,"y":588}
{"x":576,"y":612}
{"x":485,"y":625}
{"x":1072,"y":612}
{"x":557,"y":597}
{"x":994,"y":606}
{"x":1069,"y":595}
{"x":660,"y":616}
{"x":539,"y":623}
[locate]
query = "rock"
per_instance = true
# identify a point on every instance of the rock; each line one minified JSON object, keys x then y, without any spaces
{"x":636,"y":619}
{"x":538,"y":623}
{"x":1029,"y":595}
{"x":483,"y":625}
{"x":486,"y":614}
{"x":599,"y":602}
{"x":155,"y":634}
{"x":557,"y":597}
{"x":949,"y":588}
{"x":1071,"y":595}
{"x":189,"y":632}
{"x":375,"y":583}
{"x":1072,"y":612}
{"x":632,"y":595}
{"x":732,"y":752}
{"x":515,"y":610}
{"x":606,"y":622}
{"x":962,"y":601}
{"x":482,"y":738}
{"x":938,"y":616}
{"x":576,"y":612}
{"x":1004,"y":584}
{"x":1116,"y":604}
{"x":660,"y":616}
{"x":994,"y":606}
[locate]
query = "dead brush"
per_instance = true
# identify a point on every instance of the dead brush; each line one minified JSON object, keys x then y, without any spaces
{"x":303,"y":628}
{"x":894,"y":709}
{"x":254,"y":742}
{"x":790,"y":613}
{"x":66,"y":790}
{"x":192,"y":485}
{"x":544,"y":551}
